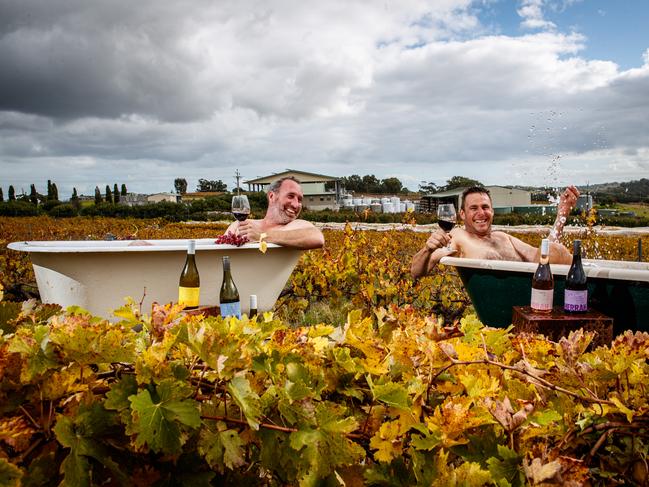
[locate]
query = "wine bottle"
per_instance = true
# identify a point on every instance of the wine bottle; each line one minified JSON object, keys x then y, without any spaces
{"x":253,"y":306}
{"x":229,"y":296}
{"x":543,"y":282}
{"x":576,"y":296}
{"x":189,"y":285}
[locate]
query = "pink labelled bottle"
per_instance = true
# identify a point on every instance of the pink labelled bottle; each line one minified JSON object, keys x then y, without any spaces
{"x":543,"y":282}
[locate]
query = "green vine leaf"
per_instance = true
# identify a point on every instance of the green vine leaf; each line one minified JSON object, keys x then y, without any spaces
{"x":10,"y":475}
{"x":222,"y":449}
{"x":247,"y":400}
{"x":156,"y":420}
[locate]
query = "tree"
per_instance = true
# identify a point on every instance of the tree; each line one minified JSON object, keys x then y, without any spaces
{"x":33,"y":195}
{"x":2,"y":196}
{"x":124,"y":192}
{"x":109,"y":195}
{"x":426,"y":187}
{"x":205,"y":185}
{"x":391,"y":185}
{"x":97,"y":195}
{"x":115,"y":194}
{"x":460,"y":182}
{"x":352,"y":183}
{"x":371,"y":184}
{"x":181,"y":185}
{"x":55,"y":192}
{"x":12,"y":193}
{"x":74,"y":200}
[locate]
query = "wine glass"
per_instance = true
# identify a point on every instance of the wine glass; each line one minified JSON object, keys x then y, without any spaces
{"x":240,"y":207}
{"x":446,"y":218}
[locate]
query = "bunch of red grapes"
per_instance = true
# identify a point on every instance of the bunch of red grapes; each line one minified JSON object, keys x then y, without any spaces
{"x":231,"y":239}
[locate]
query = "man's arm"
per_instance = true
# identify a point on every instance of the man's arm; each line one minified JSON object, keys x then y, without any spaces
{"x":567,"y":202}
{"x":298,"y":234}
{"x":558,"y":253}
{"x":429,"y":256}
{"x":303,"y":238}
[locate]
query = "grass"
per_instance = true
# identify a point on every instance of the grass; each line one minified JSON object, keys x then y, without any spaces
{"x":640,"y":209}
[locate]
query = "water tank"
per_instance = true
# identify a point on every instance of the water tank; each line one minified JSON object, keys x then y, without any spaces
{"x":385,"y":199}
{"x":402,"y":207}
{"x":410,"y":206}
{"x":376,"y":207}
{"x":387,"y":208}
{"x":358,"y":201}
{"x":367,"y":201}
{"x":395,"y":201}
{"x":360,"y":208}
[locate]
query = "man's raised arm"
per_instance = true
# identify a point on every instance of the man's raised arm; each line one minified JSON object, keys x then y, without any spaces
{"x":307,"y":237}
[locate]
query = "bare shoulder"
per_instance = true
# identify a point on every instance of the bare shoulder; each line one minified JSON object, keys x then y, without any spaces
{"x":297,"y":224}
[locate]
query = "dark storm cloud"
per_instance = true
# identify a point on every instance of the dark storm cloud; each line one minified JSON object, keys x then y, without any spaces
{"x":70,"y":59}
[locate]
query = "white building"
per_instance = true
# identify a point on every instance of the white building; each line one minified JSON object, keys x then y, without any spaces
{"x":316,"y":196}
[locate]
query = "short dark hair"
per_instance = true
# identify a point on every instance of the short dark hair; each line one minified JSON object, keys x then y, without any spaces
{"x":472,"y":190}
{"x":275,"y":185}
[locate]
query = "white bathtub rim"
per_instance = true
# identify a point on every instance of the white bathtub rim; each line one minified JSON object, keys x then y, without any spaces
{"x":618,"y":270}
{"x":149,"y":245}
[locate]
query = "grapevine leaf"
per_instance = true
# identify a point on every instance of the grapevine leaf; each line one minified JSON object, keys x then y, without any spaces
{"x":539,"y":472}
{"x":117,"y":397}
{"x":625,"y":410}
{"x":323,"y":449}
{"x":85,"y":340}
{"x":10,"y":475}
{"x":222,"y":449}
{"x":156,"y":422}
{"x":392,"y":394}
{"x":81,"y":435}
{"x":76,"y":471}
{"x":506,"y":470}
{"x":387,"y":442}
{"x":36,"y":350}
{"x":246,"y":399}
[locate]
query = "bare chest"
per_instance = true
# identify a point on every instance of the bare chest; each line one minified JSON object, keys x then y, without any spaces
{"x":497,"y":247}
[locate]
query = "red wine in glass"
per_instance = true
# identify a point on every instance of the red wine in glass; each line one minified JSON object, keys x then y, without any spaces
{"x":446,"y":225}
{"x":241,"y":216}
{"x":240,"y":207}
{"x":446,"y":218}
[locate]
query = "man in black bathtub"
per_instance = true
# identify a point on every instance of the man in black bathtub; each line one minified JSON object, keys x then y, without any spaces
{"x":281,"y":224}
{"x":477,"y":240}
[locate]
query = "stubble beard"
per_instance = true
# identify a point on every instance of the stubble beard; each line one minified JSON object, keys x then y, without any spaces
{"x":279,"y":216}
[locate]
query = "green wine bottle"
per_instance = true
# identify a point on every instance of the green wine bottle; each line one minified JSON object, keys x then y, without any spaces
{"x":189,"y":286}
{"x":229,"y":296}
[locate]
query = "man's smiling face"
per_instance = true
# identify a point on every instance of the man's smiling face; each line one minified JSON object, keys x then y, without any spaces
{"x":477,"y":213}
{"x":285,"y":205}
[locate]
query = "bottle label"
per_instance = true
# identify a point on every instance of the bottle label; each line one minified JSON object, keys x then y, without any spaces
{"x":231,"y":309}
{"x":576,"y":300}
{"x":189,"y":296}
{"x":542,"y":299}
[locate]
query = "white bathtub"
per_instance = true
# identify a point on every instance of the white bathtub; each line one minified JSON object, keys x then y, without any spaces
{"x":98,"y":275}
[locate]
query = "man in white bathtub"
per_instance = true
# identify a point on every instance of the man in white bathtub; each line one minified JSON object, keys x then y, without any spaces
{"x":281,"y":224}
{"x":477,"y":240}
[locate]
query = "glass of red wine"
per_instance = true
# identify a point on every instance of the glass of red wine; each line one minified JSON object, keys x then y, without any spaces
{"x":446,"y":217}
{"x":240,"y":207}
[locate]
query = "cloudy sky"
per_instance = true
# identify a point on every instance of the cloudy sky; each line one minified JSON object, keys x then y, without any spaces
{"x":539,"y":92}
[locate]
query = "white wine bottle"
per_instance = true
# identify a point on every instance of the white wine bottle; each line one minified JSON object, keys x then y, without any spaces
{"x":229,"y":296}
{"x":253,"y":306}
{"x":543,"y":282}
{"x":576,"y":296}
{"x":189,"y":286}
